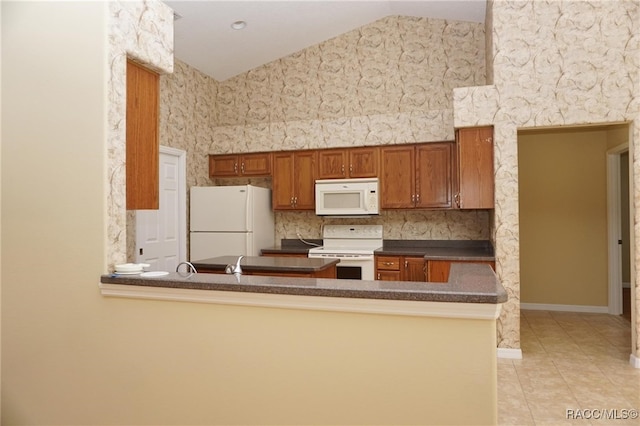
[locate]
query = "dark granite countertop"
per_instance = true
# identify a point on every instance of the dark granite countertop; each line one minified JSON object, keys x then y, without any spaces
{"x":461,"y":250}
{"x":265,"y":264}
{"x":468,"y":283}
{"x":292,"y":246}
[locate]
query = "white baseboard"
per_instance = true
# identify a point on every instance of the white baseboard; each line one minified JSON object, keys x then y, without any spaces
{"x":509,"y":353}
{"x":565,"y":308}
{"x":634,"y":361}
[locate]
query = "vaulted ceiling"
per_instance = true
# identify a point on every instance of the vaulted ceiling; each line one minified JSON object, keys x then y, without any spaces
{"x":205,"y":40}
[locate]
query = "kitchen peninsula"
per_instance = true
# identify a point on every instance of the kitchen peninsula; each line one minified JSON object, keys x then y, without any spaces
{"x":271,"y":266}
{"x":352,"y":351}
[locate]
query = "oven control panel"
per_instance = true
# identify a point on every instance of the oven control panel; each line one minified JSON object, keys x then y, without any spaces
{"x":352,"y":231}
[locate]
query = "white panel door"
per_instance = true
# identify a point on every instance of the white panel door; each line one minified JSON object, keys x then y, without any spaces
{"x":161,"y":234}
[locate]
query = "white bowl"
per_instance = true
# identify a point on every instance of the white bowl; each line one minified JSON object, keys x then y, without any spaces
{"x":129,"y":267}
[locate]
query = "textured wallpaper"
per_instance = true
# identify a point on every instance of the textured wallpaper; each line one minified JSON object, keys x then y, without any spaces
{"x":142,"y":30}
{"x":389,"y":82}
{"x":554,"y":64}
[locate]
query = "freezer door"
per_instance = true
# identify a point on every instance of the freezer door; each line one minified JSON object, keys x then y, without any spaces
{"x":205,"y":245}
{"x":219,"y":209}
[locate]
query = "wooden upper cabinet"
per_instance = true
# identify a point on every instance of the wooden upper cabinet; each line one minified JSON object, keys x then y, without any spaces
{"x":418,"y":176}
{"x":232,"y":165}
{"x":475,"y":164}
{"x":364,"y":162}
{"x":142,"y":145}
{"x":434,"y":175}
{"x":348,"y":163}
{"x":294,"y":180}
{"x":398,"y":177}
{"x":332,"y":163}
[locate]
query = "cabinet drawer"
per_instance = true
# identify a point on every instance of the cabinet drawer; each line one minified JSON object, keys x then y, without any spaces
{"x":388,"y":263}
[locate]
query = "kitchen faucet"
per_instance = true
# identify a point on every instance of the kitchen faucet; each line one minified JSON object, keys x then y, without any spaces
{"x":236,"y":270}
{"x":190,"y":266}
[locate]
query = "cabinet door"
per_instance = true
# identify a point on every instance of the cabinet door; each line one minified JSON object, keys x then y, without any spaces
{"x":434,"y":170}
{"x":438,"y":271}
{"x":223,"y":165}
{"x":283,"y":180}
{"x":332,"y":163}
{"x":388,"y":275}
{"x":398,"y":177}
{"x":258,"y":164}
{"x":414,"y":269}
{"x":475,"y":158}
{"x":142,"y":146}
{"x":363,"y":162}
{"x":304,"y":180}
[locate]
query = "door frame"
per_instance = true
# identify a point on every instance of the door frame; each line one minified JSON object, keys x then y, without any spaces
{"x":182,"y":201}
{"x":614,"y":227}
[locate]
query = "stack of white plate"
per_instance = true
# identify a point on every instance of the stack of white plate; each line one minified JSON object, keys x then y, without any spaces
{"x":130,"y":268}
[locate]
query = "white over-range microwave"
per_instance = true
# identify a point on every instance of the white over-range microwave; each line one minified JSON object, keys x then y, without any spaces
{"x":347,"y":197}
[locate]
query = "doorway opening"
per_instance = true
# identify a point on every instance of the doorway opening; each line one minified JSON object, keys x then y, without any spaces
{"x":573,"y":237}
{"x":619,"y":232}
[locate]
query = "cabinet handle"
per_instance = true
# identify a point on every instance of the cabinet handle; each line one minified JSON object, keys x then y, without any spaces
{"x":457,"y":197}
{"x":350,"y":168}
{"x":418,"y":199}
{"x":387,"y":263}
{"x":378,"y":275}
{"x":413,"y":198}
{"x":235,"y":167}
{"x":342,"y":170}
{"x":406,"y":265}
{"x":295,"y":200}
{"x":291,"y":201}
{"x":242,"y":168}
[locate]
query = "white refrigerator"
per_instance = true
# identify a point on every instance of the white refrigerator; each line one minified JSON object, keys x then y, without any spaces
{"x":230,"y":221}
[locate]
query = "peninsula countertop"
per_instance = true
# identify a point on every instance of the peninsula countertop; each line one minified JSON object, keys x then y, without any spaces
{"x":267,"y":264}
{"x":468,"y":283}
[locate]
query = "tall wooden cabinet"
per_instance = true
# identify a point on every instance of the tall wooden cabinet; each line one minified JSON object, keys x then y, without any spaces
{"x":294,"y":180}
{"x":417,"y":176}
{"x":475,"y":159}
{"x":142,"y":145}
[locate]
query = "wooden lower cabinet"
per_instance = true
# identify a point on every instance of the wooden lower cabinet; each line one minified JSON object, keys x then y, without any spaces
{"x":400,"y":268}
{"x":438,"y":270}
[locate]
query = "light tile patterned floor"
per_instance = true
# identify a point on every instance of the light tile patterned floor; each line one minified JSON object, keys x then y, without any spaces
{"x":571,"y":361}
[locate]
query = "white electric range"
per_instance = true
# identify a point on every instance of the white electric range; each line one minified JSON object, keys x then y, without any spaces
{"x":353,"y":245}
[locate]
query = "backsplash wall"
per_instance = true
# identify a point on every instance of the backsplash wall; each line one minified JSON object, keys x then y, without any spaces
{"x":389,"y":82}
